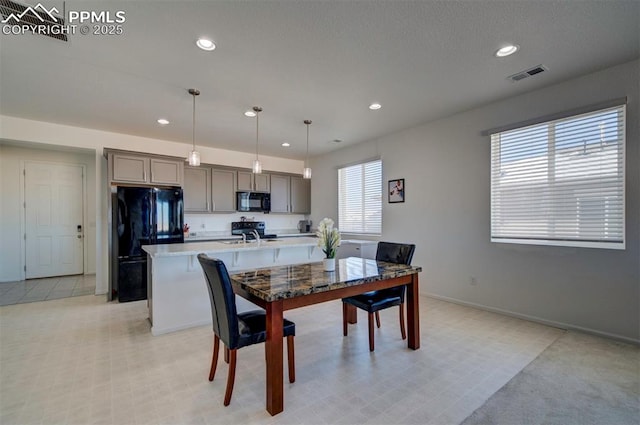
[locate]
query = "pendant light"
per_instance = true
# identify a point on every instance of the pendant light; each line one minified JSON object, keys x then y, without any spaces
{"x":257,"y":167}
{"x":306,"y":172}
{"x":194,"y":155}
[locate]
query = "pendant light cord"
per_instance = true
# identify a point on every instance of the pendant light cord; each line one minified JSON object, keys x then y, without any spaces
{"x":193,"y":133}
{"x":306,"y":160}
{"x":257,"y":127}
{"x":194,"y":93}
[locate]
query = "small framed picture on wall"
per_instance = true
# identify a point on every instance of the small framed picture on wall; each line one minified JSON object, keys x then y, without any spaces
{"x":396,"y":191}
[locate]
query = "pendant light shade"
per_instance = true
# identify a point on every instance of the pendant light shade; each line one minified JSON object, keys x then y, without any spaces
{"x":257,"y":167}
{"x":194,"y":155}
{"x":194,"y":158}
{"x":306,"y":172}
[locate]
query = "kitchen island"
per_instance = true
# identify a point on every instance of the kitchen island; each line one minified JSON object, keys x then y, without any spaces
{"x":176,"y":288}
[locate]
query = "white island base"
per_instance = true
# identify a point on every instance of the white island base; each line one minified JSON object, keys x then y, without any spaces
{"x":177,"y":292}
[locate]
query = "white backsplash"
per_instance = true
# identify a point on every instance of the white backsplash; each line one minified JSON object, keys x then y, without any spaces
{"x":222,"y":222}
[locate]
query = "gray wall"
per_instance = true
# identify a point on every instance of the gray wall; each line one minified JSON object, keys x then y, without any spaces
{"x":447,"y":214}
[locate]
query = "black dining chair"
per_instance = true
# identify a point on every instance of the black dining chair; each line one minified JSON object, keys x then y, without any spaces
{"x":236,"y":330}
{"x":374,"y":301}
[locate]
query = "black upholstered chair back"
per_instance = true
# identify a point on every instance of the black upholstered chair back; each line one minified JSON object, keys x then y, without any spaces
{"x":223,"y":302}
{"x":399,"y":253}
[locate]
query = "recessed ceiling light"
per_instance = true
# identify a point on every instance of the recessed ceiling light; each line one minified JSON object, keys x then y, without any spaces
{"x":206,"y":44}
{"x":286,"y":145}
{"x":250,"y":114}
{"x":163,"y":121}
{"x":507,"y":50}
{"x":375,"y":106}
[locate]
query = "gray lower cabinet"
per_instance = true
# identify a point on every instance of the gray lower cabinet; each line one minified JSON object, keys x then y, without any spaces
{"x":290,"y":194}
{"x":197,"y":189}
{"x":208,"y":189}
{"x":130,"y":168}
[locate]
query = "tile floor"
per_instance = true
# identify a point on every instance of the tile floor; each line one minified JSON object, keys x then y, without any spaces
{"x":81,"y":360}
{"x":50,"y":288}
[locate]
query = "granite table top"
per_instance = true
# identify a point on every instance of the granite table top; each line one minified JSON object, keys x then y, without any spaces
{"x":283,"y":282}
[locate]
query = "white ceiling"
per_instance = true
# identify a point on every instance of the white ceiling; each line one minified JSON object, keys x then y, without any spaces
{"x":319,"y":60}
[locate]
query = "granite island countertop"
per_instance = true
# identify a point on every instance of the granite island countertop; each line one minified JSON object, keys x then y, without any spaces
{"x":219,"y":235}
{"x":215,"y":247}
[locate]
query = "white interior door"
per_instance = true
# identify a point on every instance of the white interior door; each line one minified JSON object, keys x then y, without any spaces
{"x":53,"y":219}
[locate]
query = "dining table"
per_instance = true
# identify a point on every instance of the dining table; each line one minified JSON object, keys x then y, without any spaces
{"x":281,"y":288}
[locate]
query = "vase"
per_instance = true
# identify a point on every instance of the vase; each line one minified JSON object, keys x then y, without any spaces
{"x":329,"y":264}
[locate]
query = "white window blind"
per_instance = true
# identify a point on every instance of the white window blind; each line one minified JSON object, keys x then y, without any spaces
{"x":360,"y":198}
{"x":561,"y":182}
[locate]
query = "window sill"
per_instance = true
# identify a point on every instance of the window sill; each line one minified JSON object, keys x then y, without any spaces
{"x":571,"y":244}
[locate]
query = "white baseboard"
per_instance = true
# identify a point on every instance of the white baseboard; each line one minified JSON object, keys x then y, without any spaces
{"x":560,"y":325}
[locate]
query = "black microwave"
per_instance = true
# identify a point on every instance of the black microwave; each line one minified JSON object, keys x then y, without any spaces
{"x":253,"y":201}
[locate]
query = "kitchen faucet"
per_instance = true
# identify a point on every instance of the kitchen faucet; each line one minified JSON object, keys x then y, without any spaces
{"x":244,"y":238}
{"x":256,"y":235}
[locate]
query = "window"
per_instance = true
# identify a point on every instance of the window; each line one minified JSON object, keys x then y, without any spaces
{"x":561,"y":182}
{"x":360,"y":198}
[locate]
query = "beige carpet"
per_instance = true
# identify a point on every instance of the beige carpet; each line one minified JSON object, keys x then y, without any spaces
{"x":579,"y":379}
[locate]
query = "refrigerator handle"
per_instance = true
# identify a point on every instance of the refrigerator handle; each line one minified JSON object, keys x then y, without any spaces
{"x":152,"y":220}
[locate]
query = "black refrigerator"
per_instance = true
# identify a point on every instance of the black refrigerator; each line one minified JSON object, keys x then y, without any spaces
{"x":142,"y":216}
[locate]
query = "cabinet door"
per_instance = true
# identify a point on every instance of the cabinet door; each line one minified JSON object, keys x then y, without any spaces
{"x":261,"y":182}
{"x":224,"y":190}
{"x":197,"y":189}
{"x":130,"y":169}
{"x":245,"y":181}
{"x":348,"y":250}
{"x":300,"y":195}
{"x":279,"y":193}
{"x":166,"y":171}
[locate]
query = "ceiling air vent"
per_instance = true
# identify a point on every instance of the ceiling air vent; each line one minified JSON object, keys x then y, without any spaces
{"x":46,"y":22}
{"x":527,"y":73}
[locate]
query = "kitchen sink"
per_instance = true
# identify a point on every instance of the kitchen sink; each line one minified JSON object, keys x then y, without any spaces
{"x":240,"y":242}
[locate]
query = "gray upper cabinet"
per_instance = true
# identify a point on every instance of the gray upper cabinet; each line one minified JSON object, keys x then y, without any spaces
{"x":197,"y":189}
{"x":166,"y":171}
{"x":249,"y":182}
{"x":261,"y":182}
{"x":223,"y":190}
{"x":290,"y":194}
{"x":208,"y":189}
{"x":300,"y":195}
{"x":131,"y":168}
{"x":245,"y":181}
{"x":280,"y":193}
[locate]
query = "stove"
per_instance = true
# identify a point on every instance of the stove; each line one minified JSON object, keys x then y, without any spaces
{"x":247,"y":228}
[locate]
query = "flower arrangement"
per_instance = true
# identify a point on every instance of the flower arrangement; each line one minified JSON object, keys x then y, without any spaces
{"x":328,"y":237}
